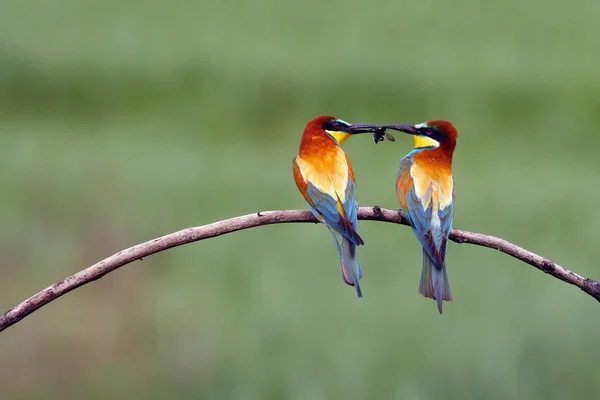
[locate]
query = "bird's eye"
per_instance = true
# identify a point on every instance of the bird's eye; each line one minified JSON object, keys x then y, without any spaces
{"x":435,"y":133}
{"x":334,"y":125}
{"x":329,"y":126}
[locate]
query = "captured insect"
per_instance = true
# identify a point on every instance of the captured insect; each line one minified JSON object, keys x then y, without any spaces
{"x":381,"y":134}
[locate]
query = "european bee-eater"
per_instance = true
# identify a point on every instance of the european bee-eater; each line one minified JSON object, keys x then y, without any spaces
{"x":425,"y":189}
{"x":325,"y":178}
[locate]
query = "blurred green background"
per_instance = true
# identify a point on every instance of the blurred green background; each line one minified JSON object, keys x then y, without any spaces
{"x":121,"y":121}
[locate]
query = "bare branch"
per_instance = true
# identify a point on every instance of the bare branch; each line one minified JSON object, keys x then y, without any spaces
{"x":190,"y":235}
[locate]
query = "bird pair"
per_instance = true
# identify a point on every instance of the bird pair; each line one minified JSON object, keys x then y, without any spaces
{"x":424,"y":186}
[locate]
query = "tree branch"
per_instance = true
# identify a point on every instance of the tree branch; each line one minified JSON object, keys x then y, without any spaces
{"x":190,"y":235}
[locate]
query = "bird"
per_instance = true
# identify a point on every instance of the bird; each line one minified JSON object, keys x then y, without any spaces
{"x":425,"y":190}
{"x":325,"y":179}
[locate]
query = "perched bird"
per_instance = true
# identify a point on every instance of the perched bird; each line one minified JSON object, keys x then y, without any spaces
{"x":425,"y":189}
{"x":325,"y":178}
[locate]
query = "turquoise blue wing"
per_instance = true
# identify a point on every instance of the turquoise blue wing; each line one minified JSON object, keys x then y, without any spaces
{"x":441,"y":235}
{"x":432,"y":229}
{"x":351,"y":209}
{"x":351,"y":204}
{"x":327,"y":207}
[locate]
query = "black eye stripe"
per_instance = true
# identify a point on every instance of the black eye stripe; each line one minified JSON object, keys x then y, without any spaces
{"x":436,"y":134}
{"x":333,"y":126}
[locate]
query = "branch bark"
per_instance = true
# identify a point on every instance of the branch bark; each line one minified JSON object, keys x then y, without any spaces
{"x":190,"y":235}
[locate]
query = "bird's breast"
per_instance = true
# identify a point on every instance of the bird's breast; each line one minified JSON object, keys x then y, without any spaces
{"x":433,"y":186}
{"x":328,"y":171}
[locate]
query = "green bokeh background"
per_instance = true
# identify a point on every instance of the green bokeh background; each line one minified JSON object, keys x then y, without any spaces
{"x":121,"y":121}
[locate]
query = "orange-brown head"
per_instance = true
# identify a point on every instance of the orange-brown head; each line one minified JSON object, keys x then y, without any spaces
{"x":327,"y":131}
{"x":435,"y":135}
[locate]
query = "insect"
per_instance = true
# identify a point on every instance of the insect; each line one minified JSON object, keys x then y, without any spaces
{"x":381,"y":134}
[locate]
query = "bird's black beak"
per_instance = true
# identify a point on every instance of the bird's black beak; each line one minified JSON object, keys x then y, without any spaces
{"x":410,"y":129}
{"x":360,"y":128}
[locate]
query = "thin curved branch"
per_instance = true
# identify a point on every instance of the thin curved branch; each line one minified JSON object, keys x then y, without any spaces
{"x":190,"y":235}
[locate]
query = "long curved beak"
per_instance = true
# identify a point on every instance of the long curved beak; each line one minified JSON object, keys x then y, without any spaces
{"x":354,"y":129}
{"x":410,"y":129}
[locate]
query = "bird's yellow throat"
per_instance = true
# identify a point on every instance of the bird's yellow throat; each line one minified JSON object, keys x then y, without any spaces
{"x":340,"y":137}
{"x":424,"y":141}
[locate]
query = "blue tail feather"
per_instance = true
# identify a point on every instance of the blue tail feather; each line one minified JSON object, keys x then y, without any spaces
{"x":434,"y":282}
{"x":351,"y":269}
